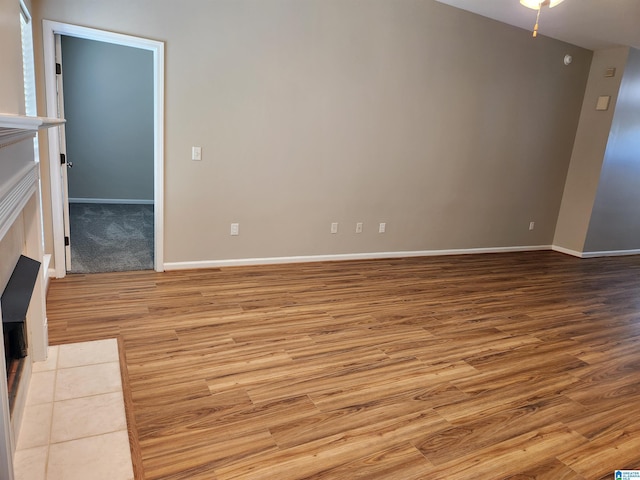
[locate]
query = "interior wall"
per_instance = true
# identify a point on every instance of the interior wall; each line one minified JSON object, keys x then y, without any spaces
{"x":454,"y":129}
{"x":109,"y":112}
{"x":615,"y":221}
{"x":588,"y":153}
{"x":11,"y":83}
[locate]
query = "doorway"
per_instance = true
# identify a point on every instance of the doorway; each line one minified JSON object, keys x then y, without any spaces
{"x":111,"y":183}
{"x":59,"y":175}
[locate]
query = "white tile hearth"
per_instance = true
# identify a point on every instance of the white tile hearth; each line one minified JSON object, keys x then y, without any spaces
{"x":87,"y":416}
{"x":31,"y":463}
{"x":74,"y":424}
{"x":36,"y":425}
{"x":88,"y":380}
{"x":87,"y":353}
{"x":101,"y":457}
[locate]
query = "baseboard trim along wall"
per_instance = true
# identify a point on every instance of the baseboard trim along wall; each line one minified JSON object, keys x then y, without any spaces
{"x":573,"y":253}
{"x":610,"y":253}
{"x":343,"y":257}
{"x":603,"y":253}
{"x":112,"y":201}
{"x":376,"y":255}
{"x":46,"y":271}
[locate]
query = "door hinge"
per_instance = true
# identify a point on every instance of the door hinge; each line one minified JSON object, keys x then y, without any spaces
{"x":58,"y":69}
{"x":66,"y":241}
{"x":63,"y":159}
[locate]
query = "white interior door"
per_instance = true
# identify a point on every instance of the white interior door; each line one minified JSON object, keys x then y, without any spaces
{"x":65,"y":164}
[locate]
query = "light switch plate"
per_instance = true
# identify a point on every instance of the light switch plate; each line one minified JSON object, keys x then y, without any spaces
{"x":603,"y":102}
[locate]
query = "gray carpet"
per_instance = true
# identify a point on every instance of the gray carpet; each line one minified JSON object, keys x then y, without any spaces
{"x":110,"y":238}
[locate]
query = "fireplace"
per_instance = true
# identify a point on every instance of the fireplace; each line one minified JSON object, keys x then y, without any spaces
{"x":22,"y":279}
{"x":15,"y":304}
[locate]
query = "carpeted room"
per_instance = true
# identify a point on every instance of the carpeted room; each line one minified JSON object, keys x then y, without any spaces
{"x":110,"y":237}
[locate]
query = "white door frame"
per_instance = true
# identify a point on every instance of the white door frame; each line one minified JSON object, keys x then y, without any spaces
{"x":49,"y":30}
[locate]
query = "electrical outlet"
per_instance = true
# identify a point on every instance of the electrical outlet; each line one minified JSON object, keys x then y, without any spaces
{"x":334,"y":227}
{"x":532,"y":225}
{"x":359,"y":227}
{"x":382,"y":228}
{"x":235,"y":229}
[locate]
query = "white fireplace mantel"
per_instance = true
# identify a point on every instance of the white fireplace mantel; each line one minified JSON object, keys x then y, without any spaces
{"x":14,"y":128}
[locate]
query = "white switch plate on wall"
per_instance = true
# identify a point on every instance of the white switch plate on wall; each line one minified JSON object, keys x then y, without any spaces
{"x":603,"y":102}
{"x":196,"y":154}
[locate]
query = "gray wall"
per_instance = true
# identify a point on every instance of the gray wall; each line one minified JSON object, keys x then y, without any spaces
{"x":454,"y":129}
{"x":615,"y":221}
{"x":109,"y":110}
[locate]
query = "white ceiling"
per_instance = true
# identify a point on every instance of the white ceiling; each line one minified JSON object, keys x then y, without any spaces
{"x":591,"y":24}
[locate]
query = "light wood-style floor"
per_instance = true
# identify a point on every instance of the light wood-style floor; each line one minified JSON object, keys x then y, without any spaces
{"x":500,"y":366}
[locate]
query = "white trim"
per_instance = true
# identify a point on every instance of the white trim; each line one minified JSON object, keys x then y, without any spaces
{"x":602,"y":253}
{"x":347,"y":256}
{"x":22,"y":122}
{"x":25,"y":12}
{"x":15,"y":128}
{"x":610,"y":253}
{"x":15,"y":194}
{"x":57,"y":218}
{"x":50,"y":29}
{"x":567,"y":251}
{"x":112,"y":201}
{"x":7,"y":440}
{"x":20,"y":399}
{"x":46,"y":271}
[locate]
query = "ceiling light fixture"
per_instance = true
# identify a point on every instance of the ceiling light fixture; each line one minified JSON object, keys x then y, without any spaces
{"x":537,"y":5}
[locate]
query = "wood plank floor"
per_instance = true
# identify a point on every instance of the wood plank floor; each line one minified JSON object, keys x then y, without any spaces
{"x":516,"y":366}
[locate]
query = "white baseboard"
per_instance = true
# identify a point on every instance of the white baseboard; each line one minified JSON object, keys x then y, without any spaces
{"x":610,"y":253}
{"x":46,"y":271}
{"x":348,"y":256}
{"x":573,"y":253}
{"x":117,"y":201}
{"x":604,"y":253}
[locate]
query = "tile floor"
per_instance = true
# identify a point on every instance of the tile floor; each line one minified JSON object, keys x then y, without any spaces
{"x":74,"y":424}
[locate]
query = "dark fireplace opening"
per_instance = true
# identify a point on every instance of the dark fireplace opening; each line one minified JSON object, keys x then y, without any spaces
{"x":14,"y":373}
{"x":15,"y":350}
{"x":15,"y":303}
